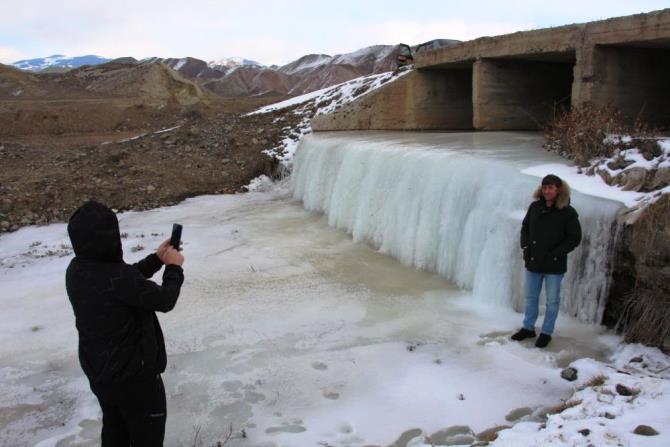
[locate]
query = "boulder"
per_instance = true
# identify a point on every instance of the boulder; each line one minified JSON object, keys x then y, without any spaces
{"x":645,"y":430}
{"x":632,"y":179}
{"x":623,"y":390}
{"x":569,"y":374}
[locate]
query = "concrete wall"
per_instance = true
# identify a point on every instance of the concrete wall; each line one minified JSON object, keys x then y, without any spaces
{"x":515,"y":94}
{"x":420,"y":100}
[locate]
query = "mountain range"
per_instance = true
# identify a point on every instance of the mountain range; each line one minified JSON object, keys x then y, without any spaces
{"x":236,"y":77}
{"x":59,"y":62}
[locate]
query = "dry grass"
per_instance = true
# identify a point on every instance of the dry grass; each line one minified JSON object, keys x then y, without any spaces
{"x":646,"y":314}
{"x":580,"y":133}
{"x":646,"y":317}
{"x":198,"y":439}
{"x":598,"y":380}
{"x":560,"y":408}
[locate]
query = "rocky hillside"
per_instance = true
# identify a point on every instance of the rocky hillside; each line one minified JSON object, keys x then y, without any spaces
{"x":238,"y":77}
{"x":152,"y":83}
{"x":155,"y":83}
{"x":308,"y":73}
{"x":104,"y":98}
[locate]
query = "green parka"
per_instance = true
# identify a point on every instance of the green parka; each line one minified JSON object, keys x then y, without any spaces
{"x":548,"y":234}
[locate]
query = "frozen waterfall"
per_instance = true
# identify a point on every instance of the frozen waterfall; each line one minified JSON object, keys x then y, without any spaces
{"x":451,"y":203}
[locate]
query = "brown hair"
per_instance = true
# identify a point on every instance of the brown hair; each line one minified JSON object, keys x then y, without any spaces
{"x":563,"y":198}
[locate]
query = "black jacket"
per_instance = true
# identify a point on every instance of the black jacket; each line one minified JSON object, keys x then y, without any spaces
{"x":120,"y":338}
{"x":548,"y":234}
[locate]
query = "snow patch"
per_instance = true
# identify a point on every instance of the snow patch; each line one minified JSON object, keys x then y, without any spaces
{"x":169,"y":129}
{"x":180,"y":63}
{"x":262,"y":183}
{"x":233,"y":62}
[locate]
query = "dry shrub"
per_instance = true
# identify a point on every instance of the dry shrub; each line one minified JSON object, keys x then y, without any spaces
{"x":581,"y":132}
{"x":646,"y":317}
{"x":362,"y":89}
{"x":594,"y":381}
{"x":560,"y":408}
{"x":646,"y":313}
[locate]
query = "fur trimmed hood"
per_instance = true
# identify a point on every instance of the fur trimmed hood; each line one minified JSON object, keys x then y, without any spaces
{"x":563,"y":199}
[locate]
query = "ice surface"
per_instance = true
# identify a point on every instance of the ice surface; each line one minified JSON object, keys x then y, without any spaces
{"x":285,"y":328}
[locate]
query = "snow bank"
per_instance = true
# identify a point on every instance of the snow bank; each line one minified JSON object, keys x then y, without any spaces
{"x":624,"y":161}
{"x":610,"y":403}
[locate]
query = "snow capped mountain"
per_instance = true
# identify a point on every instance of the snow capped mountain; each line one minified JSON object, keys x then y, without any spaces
{"x":306,"y":62}
{"x":233,"y":62}
{"x":59,"y":61}
{"x":192,"y":68}
{"x":373,"y":59}
{"x":373,"y":55}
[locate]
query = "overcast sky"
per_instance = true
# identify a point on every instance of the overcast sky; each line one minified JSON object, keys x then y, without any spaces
{"x":272,"y":32}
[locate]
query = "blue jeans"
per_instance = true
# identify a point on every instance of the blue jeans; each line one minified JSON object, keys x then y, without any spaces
{"x":552,"y":289}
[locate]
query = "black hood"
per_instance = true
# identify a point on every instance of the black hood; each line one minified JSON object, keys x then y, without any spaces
{"x":94,"y":233}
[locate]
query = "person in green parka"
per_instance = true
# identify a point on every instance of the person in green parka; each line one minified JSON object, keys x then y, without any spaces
{"x":549,"y":232}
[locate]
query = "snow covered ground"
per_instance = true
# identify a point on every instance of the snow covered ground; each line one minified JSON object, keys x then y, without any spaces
{"x":292,"y":333}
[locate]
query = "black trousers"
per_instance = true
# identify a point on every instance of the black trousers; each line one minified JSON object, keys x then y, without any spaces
{"x":133,"y":413}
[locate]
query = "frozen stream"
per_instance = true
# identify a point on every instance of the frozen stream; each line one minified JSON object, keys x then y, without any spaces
{"x":287,"y":329}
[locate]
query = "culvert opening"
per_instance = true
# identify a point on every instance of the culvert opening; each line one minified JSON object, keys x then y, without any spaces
{"x":521,"y":92}
{"x":445,"y":95}
{"x":634,"y":78}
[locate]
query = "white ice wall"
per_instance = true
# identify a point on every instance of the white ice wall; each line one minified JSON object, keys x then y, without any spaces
{"x":455,"y":212}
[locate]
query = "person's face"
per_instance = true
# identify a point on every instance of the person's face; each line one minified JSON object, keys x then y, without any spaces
{"x":549,"y":192}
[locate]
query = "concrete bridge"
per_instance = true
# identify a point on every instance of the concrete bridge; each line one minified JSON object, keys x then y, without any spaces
{"x":518,"y":81}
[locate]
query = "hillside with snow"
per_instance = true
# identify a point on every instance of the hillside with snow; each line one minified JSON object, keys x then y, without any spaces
{"x":228,"y":63}
{"x":58,"y":61}
{"x":307,"y":106}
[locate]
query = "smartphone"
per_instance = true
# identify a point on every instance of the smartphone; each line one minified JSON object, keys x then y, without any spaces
{"x":175,"y":239}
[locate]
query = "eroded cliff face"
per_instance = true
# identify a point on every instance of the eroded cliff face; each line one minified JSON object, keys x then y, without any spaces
{"x":639,"y":302}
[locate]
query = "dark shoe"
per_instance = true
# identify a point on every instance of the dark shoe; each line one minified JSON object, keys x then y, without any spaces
{"x":523,"y":334}
{"x":543,"y":340}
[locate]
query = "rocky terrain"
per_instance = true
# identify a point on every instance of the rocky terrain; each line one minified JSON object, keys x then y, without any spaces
{"x":132,"y":136}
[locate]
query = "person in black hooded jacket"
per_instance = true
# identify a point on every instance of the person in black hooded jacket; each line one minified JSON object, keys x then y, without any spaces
{"x":121,"y":345}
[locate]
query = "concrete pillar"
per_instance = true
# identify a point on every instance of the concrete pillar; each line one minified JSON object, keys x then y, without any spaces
{"x":517,"y":94}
